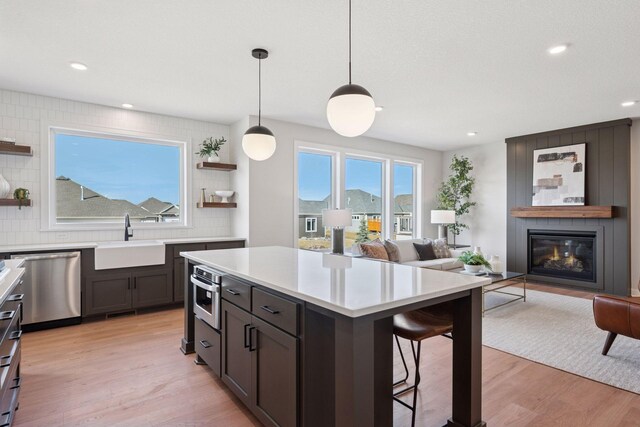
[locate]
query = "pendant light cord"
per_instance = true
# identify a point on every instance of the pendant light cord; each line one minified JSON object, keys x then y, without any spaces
{"x":349,"y":41}
{"x":259,"y":89}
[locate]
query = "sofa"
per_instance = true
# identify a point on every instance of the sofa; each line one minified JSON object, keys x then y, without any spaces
{"x":407,"y":254}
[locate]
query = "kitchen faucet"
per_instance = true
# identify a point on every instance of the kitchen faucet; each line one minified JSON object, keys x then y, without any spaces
{"x":128,"y":231}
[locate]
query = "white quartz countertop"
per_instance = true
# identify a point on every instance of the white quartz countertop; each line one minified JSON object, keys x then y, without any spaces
{"x":84,"y":245}
{"x":350,"y":286}
{"x":8,"y":281}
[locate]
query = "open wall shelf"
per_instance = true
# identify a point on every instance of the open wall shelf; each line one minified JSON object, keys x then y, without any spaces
{"x":217,"y":205}
{"x":563,"y":212}
{"x":14,"y":202}
{"x":16,"y":150}
{"x":217,"y":166}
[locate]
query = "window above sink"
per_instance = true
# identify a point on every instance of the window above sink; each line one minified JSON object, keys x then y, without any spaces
{"x":94,"y":178}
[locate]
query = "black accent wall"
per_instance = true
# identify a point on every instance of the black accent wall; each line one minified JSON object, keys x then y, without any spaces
{"x":607,"y":182}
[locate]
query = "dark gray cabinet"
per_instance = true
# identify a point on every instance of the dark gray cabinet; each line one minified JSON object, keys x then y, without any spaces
{"x":236,"y":355}
{"x":104,"y":294}
{"x":260,"y":365}
{"x":178,"y":279}
{"x":123,"y":291}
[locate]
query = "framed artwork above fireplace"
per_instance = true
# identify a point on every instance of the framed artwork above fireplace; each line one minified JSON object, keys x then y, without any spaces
{"x":558,"y":175}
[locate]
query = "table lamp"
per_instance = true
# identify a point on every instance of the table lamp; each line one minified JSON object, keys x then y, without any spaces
{"x":337,"y":219}
{"x":442,"y":218}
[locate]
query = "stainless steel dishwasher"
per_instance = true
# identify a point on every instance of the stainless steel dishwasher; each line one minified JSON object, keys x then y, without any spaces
{"x":51,"y":289}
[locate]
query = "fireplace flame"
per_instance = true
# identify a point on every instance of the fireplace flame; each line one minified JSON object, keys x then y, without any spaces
{"x":556,"y":256}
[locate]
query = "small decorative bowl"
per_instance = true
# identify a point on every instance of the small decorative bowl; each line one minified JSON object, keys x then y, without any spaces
{"x":225,"y":194}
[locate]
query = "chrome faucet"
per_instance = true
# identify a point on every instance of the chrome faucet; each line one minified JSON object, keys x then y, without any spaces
{"x":128,"y":231}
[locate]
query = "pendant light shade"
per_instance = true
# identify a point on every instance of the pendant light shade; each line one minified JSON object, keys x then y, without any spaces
{"x":258,"y":142}
{"x":351,"y":109}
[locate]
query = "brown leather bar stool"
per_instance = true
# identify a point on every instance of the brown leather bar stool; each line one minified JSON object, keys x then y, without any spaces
{"x":417,"y":326}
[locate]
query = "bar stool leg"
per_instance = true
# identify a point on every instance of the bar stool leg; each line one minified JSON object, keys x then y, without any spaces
{"x":416,"y":382}
{"x":406,"y":369}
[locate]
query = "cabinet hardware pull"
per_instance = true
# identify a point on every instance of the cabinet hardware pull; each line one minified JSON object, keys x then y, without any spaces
{"x":6,"y":315}
{"x":16,"y":297}
{"x":135,"y":283}
{"x":15,"y":335}
{"x":269,"y":310}
{"x":251,"y":347}
{"x":18,"y":381}
{"x":128,"y":283}
{"x":205,"y":343}
{"x":232,"y":292}
{"x":245,"y":336}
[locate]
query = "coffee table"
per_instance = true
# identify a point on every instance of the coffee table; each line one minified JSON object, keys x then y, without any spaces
{"x":499,"y":282}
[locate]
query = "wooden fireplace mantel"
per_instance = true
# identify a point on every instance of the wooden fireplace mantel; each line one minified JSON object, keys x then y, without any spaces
{"x":563,"y":212}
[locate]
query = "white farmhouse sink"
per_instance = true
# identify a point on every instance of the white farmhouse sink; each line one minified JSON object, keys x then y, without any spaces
{"x":134,"y":253}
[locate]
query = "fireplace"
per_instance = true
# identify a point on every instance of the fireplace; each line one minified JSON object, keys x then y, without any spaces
{"x":568,"y":255}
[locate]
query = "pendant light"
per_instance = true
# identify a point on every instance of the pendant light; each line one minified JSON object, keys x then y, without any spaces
{"x":258,"y":142}
{"x":351,"y":109}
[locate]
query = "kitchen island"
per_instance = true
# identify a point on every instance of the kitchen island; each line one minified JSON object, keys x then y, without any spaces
{"x":340,"y":327}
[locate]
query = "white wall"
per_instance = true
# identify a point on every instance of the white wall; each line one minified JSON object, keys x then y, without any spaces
{"x":488,"y":219}
{"x":271,"y":217}
{"x":635,"y":207}
{"x":21,"y":116}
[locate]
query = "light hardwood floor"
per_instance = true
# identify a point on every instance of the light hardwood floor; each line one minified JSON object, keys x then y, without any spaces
{"x":128,"y":371}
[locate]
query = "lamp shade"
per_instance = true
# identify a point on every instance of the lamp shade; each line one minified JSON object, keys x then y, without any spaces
{"x":258,"y":143}
{"x":351,"y":110}
{"x":443,"y":217}
{"x":336,"y":217}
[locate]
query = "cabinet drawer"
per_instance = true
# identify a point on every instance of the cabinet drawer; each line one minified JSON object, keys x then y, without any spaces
{"x":188,"y":248}
{"x":236,"y":292}
{"x":276,"y":310}
{"x":207,"y":342}
{"x":9,"y":323}
{"x":11,"y":384}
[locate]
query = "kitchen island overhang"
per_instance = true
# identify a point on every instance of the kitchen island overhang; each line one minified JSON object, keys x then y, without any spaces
{"x":347,"y":307}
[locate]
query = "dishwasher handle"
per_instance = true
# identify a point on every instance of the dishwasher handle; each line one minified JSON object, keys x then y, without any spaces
{"x":47,"y":256}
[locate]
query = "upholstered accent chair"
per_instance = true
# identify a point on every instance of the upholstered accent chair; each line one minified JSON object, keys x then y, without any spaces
{"x":618,"y":316}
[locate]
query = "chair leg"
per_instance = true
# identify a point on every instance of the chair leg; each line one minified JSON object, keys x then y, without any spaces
{"x":607,"y":345}
{"x":406,"y":369}
{"x":415,"y":390}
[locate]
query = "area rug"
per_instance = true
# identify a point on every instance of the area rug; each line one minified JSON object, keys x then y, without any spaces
{"x":559,"y":331}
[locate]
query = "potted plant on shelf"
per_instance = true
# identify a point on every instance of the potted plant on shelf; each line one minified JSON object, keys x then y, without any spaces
{"x":210,"y":147}
{"x":473,"y":262}
{"x":21,"y":194}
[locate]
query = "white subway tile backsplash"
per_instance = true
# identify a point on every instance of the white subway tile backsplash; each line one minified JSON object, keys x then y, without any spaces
{"x":20,"y":117}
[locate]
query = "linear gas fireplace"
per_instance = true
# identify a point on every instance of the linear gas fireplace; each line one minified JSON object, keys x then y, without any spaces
{"x":568,"y":255}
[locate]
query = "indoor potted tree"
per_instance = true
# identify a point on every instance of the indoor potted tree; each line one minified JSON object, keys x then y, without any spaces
{"x":210,"y":147}
{"x":455,"y":193}
{"x":473,"y":262}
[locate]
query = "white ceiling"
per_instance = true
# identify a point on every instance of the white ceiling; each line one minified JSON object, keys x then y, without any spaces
{"x":440,"y":68}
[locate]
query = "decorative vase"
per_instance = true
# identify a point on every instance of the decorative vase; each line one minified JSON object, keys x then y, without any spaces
{"x":213,"y":159}
{"x":473,"y":268}
{"x":203,"y":197}
{"x":477,"y":250}
{"x":496,"y":264}
{"x":5,"y":188}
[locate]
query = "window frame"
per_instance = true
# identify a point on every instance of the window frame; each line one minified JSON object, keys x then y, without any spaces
{"x":311,"y":220}
{"x":338,"y":190}
{"x":47,"y":178}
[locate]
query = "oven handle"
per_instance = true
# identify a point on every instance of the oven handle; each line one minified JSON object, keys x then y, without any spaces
{"x":206,"y":286}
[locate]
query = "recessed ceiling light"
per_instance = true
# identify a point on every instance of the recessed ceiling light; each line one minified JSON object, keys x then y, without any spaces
{"x":78,"y":66}
{"x":629,"y":103}
{"x":127,"y":106}
{"x":379,"y":108}
{"x":472,"y":133}
{"x":558,"y":49}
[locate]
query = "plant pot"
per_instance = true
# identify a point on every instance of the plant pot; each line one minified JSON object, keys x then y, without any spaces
{"x":5,"y":188}
{"x":213,"y":159}
{"x":472,"y":268}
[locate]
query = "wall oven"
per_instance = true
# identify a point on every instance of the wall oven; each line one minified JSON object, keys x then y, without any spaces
{"x":206,"y":294}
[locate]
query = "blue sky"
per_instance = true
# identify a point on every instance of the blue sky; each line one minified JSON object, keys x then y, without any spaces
{"x":314,"y":176}
{"x":120,"y":169}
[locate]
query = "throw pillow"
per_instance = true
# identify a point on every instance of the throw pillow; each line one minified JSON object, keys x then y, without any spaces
{"x":375,"y":250}
{"x":440,"y":248}
{"x":425,"y":252}
{"x":392,"y":250}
